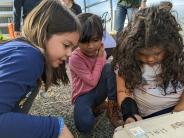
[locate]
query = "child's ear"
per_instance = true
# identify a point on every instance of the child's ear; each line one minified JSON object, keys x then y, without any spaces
{"x":165,"y":5}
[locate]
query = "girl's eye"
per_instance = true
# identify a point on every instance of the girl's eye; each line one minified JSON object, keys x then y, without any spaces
{"x":95,"y":39}
{"x":66,"y":45}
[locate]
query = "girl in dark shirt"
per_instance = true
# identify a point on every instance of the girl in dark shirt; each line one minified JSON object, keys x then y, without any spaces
{"x":73,"y":6}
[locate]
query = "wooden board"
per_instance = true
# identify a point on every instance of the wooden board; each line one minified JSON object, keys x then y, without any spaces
{"x":164,"y":126}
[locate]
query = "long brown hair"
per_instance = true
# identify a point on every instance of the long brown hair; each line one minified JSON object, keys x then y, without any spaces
{"x":45,"y":20}
{"x":153,"y":26}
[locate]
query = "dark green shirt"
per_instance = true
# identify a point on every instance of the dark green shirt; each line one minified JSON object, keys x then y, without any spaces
{"x":130,"y":3}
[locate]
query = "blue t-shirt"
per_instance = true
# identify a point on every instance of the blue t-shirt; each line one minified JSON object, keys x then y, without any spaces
{"x":21,"y":65}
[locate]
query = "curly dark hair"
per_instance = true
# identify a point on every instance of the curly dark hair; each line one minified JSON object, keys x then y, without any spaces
{"x":152,"y":26}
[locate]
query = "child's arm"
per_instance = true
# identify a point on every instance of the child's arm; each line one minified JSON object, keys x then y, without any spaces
{"x":20,"y":125}
{"x":180,"y":105}
{"x":82,"y":71}
{"x":126,"y":102}
{"x":122,"y":92}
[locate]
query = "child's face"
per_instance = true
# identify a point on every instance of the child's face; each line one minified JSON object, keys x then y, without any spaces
{"x":91,"y":49}
{"x":59,"y":47}
{"x":150,"y":56}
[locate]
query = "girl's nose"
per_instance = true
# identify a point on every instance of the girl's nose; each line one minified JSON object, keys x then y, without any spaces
{"x":151,"y":59}
{"x":69,"y":52}
{"x":90,"y":46}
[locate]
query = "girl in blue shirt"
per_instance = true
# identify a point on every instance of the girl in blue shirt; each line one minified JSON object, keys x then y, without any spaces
{"x":50,"y":32}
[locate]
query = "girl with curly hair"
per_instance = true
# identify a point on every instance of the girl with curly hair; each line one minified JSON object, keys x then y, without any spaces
{"x":150,"y":62}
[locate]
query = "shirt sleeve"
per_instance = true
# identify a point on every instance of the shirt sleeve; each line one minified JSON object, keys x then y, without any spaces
{"x":82,"y":71}
{"x":17,"y":14}
{"x":19,"y":71}
{"x":18,"y":125}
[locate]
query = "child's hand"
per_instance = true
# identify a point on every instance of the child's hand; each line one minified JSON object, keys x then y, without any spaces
{"x":130,"y":119}
{"x":101,"y":51}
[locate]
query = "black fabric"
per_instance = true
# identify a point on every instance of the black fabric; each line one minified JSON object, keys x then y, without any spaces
{"x":164,"y":111}
{"x":76,"y":9}
{"x":129,"y":108}
{"x":109,"y":52}
{"x":28,"y":103}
